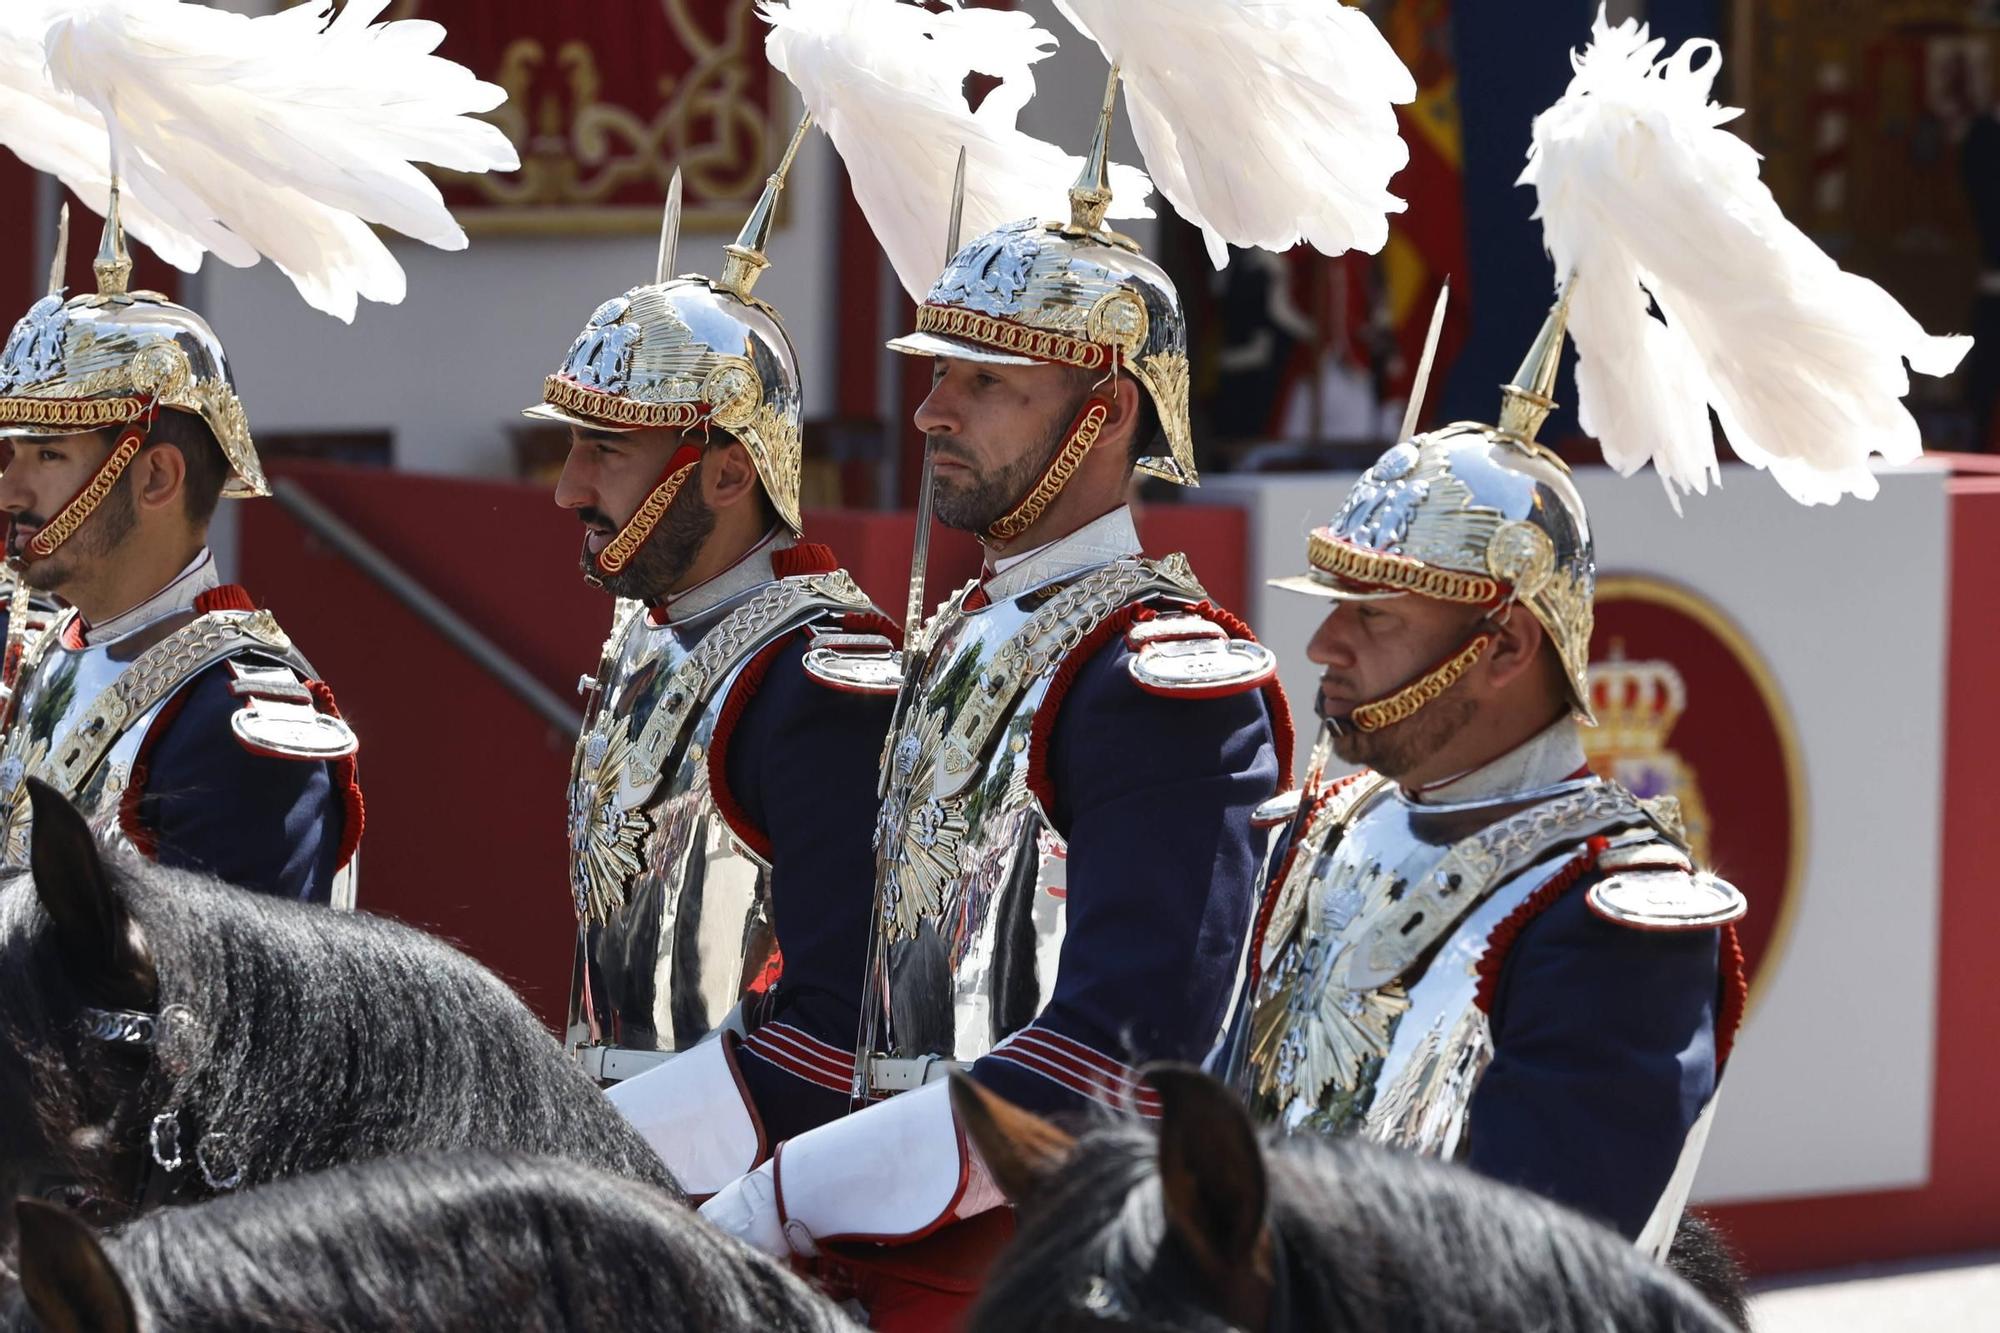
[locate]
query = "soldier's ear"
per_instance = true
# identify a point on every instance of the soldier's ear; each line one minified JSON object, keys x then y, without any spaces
{"x":1517,"y":646}
{"x":1213,"y":1185}
{"x":104,"y":947}
{"x":68,"y":1279}
{"x":1022,"y":1150}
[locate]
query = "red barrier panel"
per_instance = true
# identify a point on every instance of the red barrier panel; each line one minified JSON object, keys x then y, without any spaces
{"x":465,"y":784}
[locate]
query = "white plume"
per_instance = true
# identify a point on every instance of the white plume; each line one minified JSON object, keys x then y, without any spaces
{"x":1264,"y":122}
{"x":886,"y":81}
{"x":1646,"y":202}
{"x":283,"y":136}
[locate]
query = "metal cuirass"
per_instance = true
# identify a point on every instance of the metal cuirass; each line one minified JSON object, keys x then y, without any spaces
{"x":672,"y":908}
{"x":970,"y":872}
{"x":83,"y":713}
{"x":1365,"y":1016}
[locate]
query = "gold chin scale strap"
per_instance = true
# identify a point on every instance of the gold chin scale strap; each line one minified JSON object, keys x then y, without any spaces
{"x":83,"y":504}
{"x":1083,"y":433}
{"x":618,"y":552}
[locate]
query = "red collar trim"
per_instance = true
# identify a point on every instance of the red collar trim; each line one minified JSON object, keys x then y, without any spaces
{"x":804,"y":558}
{"x":225,"y":597}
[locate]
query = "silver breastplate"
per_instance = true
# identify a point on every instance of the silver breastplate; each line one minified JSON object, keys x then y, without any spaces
{"x":970,"y":872}
{"x":1365,"y":1017}
{"x":672,"y":907}
{"x":83,"y":713}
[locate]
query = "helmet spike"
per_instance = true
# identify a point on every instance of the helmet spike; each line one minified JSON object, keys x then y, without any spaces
{"x":1528,"y":399}
{"x":670,"y":231}
{"x":1420,"y":387}
{"x":59,"y":265}
{"x":955,"y":227}
{"x":113,"y":264}
{"x":745,"y":259}
{"x":1091,"y":195}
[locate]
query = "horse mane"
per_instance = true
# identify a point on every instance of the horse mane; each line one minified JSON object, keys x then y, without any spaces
{"x":453,"y":1241}
{"x":1371,"y":1238}
{"x":307,"y":1037}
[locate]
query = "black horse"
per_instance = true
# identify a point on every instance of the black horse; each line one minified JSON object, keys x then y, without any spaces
{"x":1200,"y":1228}
{"x":436,"y":1243}
{"x":164,"y":1038}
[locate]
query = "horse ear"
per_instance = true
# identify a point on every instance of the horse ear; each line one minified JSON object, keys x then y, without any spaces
{"x":103,"y":943}
{"x":67,"y":1277}
{"x":1212,"y":1178}
{"x":1022,"y":1150}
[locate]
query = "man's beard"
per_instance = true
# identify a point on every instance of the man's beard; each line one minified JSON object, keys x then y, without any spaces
{"x":1399,"y":749}
{"x":666,"y":555}
{"x":101,"y":534}
{"x":987,"y":500}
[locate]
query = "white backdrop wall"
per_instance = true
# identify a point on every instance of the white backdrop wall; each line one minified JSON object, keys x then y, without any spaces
{"x":448,"y":369}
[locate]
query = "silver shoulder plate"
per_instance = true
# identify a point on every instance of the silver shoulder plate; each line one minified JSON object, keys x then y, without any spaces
{"x":1280,"y":809}
{"x":1666,"y":899}
{"x":1207,"y":667}
{"x":855,"y":663}
{"x":279,"y":718}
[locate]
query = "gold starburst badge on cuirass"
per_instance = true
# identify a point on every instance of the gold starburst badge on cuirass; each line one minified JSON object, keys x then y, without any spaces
{"x":607,"y":841}
{"x":918,"y":833}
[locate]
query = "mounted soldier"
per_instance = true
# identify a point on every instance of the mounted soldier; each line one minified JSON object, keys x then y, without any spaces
{"x":722,"y":789}
{"x":1476,"y":947}
{"x":176,"y":714}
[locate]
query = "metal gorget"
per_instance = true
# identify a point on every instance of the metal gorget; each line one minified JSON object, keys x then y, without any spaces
{"x":1364,"y":1017}
{"x":970,"y":873}
{"x":672,"y":908}
{"x":83,"y":713}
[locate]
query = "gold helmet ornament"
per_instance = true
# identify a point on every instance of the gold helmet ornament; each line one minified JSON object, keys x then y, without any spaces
{"x":1069,"y":293}
{"x":688,"y":353}
{"x":113,"y":359}
{"x":1474,"y":514}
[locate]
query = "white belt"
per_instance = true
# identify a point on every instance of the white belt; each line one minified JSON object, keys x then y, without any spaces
{"x":611,"y":1064}
{"x":892,"y":1075}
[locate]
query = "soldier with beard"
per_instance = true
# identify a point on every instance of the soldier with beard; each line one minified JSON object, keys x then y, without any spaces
{"x":175,"y":713}
{"x":1475,"y":947}
{"x":1066,"y":863}
{"x":724,"y":784}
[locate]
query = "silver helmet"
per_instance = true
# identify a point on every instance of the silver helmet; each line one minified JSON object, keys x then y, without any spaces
{"x":1071,"y":293}
{"x":114,"y":357}
{"x":692,"y":351}
{"x":1476,"y":514}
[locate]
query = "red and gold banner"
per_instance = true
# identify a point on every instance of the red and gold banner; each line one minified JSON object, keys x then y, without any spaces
{"x":605,"y":100}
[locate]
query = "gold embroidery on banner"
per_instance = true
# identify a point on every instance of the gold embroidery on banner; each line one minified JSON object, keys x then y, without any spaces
{"x":1345,"y":560}
{"x":1067,"y":460}
{"x":1406,"y":702}
{"x":1006,"y":336}
{"x":580,"y":152}
{"x":622,"y":547}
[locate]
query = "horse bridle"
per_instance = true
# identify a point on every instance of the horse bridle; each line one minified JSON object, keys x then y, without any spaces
{"x":1109,"y":1304}
{"x":168,"y":1172}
